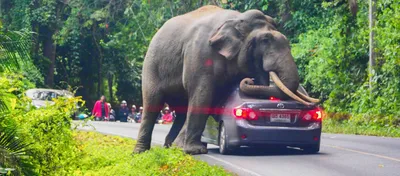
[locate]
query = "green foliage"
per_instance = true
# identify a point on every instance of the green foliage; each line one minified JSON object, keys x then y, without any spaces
{"x":42,"y":137}
{"x":111,"y":155}
{"x":350,"y":127}
{"x":12,"y":86}
{"x":384,"y":100}
{"x":333,"y":61}
{"x":13,"y":154}
{"x":15,"y":56}
{"x":14,"y":50}
{"x":49,"y":133}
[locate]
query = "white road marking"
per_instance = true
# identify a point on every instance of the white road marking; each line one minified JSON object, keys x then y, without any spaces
{"x":232,"y":165}
{"x":364,"y":153}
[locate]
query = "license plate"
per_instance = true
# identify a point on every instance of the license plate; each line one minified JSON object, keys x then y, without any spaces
{"x":281,"y":118}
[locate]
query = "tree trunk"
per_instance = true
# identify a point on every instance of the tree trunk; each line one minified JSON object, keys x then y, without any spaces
{"x":110,"y":85}
{"x":49,"y":51}
{"x":99,"y":82}
{"x":100,"y":67}
{"x":372,"y":10}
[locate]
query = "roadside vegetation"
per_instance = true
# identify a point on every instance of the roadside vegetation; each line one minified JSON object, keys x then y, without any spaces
{"x":112,"y":155}
{"x":43,"y":142}
{"x":360,"y":128}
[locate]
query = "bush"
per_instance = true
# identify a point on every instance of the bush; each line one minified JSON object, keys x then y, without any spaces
{"x":50,"y":147}
{"x":48,"y":131}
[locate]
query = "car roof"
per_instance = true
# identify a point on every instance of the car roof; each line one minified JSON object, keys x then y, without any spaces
{"x":58,"y":91}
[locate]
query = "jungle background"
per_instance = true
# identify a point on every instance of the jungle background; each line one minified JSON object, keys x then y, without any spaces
{"x":97,"y":47}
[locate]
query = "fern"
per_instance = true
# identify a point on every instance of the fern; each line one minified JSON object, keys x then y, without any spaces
{"x":14,"y":154}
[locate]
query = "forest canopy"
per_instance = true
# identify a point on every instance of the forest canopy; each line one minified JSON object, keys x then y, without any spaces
{"x":98,"y":47}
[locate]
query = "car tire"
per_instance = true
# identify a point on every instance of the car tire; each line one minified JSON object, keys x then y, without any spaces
{"x":222,"y":141}
{"x":311,"y":149}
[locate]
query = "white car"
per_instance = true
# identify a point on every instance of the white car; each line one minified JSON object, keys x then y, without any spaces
{"x":42,"y":96}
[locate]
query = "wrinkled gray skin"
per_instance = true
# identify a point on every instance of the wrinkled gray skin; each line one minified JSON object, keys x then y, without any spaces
{"x":194,"y":56}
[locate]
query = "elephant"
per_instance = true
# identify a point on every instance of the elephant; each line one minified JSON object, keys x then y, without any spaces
{"x":192,"y":59}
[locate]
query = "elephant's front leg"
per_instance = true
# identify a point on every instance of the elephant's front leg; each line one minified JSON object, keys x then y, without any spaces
{"x":175,"y":129}
{"x":198,"y":110}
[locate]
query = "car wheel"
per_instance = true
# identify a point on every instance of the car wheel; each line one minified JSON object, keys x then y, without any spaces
{"x":223,"y":144}
{"x":314,"y":148}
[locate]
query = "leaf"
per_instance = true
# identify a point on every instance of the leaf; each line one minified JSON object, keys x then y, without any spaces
{"x":13,"y":103}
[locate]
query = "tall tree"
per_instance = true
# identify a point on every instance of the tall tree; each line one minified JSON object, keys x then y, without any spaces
{"x":371,"y":15}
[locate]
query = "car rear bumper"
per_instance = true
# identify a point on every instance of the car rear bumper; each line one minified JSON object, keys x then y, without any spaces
{"x":248,"y":135}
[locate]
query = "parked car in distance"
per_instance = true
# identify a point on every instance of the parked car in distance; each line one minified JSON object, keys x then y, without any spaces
{"x":240,"y":120}
{"x":40,"y":97}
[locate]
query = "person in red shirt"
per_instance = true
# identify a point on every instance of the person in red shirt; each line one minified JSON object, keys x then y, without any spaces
{"x":167,"y":117}
{"x":101,"y":110}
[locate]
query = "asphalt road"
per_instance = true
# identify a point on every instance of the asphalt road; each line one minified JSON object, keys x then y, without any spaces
{"x":339,"y":155}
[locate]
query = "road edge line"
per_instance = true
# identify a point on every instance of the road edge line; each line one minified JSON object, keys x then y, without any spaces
{"x":232,"y":165}
{"x":361,"y":152}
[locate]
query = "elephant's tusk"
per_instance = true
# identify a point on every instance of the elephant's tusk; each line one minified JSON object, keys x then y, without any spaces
{"x":307,"y":98}
{"x":281,"y":86}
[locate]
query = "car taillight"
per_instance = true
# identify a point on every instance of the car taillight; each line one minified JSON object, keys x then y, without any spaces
{"x":245,"y":113}
{"x":314,"y":115}
{"x":274,"y":99}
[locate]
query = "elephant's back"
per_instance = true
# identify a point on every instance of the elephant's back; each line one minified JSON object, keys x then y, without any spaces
{"x":168,"y":42}
{"x":203,"y":11}
{"x":164,"y":59}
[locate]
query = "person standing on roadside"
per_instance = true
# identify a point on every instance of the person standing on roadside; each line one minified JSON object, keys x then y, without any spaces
{"x":139,"y":114}
{"x":123,"y":112}
{"x":112,"y":113}
{"x":132,"y":114}
{"x":101,"y":110}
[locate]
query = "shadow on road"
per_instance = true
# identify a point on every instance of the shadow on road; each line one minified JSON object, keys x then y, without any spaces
{"x":267,"y":151}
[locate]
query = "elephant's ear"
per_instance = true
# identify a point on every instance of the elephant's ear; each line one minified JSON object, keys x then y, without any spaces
{"x":228,"y":39}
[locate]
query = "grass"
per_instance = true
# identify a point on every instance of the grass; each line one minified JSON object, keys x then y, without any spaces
{"x":112,"y":155}
{"x":350,"y":127}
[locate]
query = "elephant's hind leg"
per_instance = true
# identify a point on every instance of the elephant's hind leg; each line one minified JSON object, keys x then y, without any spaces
{"x":152,"y":104}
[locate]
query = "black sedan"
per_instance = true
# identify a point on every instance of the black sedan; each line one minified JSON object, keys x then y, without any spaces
{"x":241,"y":120}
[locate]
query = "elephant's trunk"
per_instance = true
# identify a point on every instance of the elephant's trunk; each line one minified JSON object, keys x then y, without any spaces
{"x":247,"y":86}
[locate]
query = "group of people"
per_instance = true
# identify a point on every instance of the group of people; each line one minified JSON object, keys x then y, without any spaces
{"x":102,"y":111}
{"x":130,"y":115}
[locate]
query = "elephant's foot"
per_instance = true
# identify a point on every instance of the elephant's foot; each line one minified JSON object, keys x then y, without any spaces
{"x":180,"y":140}
{"x":168,"y":141}
{"x":195,"y":149}
{"x":167,"y":144}
{"x":141,"y":148}
{"x":179,"y":143}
